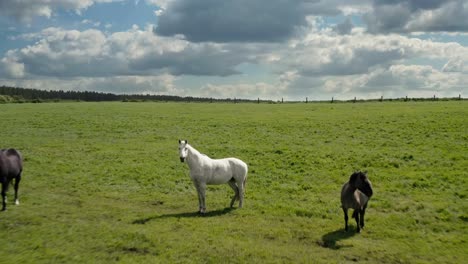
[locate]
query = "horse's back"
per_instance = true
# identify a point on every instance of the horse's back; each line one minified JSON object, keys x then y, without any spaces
{"x":12,"y":153}
{"x":219,"y":171}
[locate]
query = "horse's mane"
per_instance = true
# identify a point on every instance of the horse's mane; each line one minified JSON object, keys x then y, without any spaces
{"x":192,"y":149}
{"x":355,"y":176}
{"x":195,"y":150}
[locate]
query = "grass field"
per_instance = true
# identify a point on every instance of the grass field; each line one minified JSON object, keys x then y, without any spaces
{"x":103,"y":183}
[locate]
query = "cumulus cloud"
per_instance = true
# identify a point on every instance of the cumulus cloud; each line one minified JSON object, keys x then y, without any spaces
{"x":278,"y":88}
{"x":320,"y":53}
{"x":238,"y":21}
{"x":242,"y":90}
{"x":456,"y":65}
{"x":9,"y":67}
{"x":26,"y":10}
{"x":416,"y":15}
{"x":398,"y":81}
{"x":71,"y":53}
{"x":160,"y":3}
{"x":162,"y":84}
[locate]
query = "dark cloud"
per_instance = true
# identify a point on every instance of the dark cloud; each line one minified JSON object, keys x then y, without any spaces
{"x":238,"y":21}
{"x":402,"y":16}
{"x":413,"y":4}
{"x":344,"y":27}
{"x":194,"y":60}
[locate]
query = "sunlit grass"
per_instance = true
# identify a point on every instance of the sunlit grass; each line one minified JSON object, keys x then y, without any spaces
{"x":103,"y":182}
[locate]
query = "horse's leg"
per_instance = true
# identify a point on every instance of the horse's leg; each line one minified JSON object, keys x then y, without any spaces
{"x":241,"y":186}
{"x":4,"y":190}
{"x":356,"y":216}
{"x":17,"y":181}
{"x":233,"y":185}
{"x":202,"y":187}
{"x":363,"y":211}
{"x":345,"y":211}
{"x":197,"y":186}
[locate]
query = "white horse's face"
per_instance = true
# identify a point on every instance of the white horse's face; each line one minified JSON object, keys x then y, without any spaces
{"x":183,"y":150}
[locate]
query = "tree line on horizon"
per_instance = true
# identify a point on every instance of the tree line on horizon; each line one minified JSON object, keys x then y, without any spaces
{"x":27,"y":95}
{"x":21,"y":95}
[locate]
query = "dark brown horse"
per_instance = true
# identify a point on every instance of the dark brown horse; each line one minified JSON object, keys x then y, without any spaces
{"x":11,"y":166}
{"x":354,"y":195}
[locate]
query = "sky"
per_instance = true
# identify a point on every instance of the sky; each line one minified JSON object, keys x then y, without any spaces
{"x":267,"y":49}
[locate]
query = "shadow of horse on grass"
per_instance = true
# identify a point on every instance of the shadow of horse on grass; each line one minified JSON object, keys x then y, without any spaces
{"x":330,"y":239}
{"x":185,"y":215}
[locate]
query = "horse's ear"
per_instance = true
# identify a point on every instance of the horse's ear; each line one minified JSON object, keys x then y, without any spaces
{"x":186,"y":141}
{"x":179,"y":141}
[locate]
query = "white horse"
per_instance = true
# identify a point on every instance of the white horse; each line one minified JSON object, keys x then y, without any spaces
{"x":204,"y":170}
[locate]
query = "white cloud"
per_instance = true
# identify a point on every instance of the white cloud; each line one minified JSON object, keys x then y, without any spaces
{"x":91,"y":22}
{"x":162,"y":84}
{"x":160,"y":3}
{"x":415,"y":15}
{"x":242,"y":90}
{"x":322,"y":53}
{"x":251,"y":90}
{"x":10,"y":68}
{"x":398,"y":81}
{"x":26,"y":10}
{"x":72,"y":53}
{"x":456,"y":65}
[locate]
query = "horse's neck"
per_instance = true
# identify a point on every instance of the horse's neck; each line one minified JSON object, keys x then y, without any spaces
{"x":193,"y":151}
{"x":194,"y":155}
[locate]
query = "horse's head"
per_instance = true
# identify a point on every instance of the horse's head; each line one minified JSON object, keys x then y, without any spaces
{"x":183,"y":151}
{"x":361,"y":182}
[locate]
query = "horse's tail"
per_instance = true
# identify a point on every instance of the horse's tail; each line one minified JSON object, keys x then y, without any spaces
{"x":245,"y":174}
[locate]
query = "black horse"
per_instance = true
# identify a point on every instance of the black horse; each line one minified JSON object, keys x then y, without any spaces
{"x":11,"y":166}
{"x":354,"y":195}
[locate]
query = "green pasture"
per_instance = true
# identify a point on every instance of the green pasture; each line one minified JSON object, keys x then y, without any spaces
{"x":103,"y":183}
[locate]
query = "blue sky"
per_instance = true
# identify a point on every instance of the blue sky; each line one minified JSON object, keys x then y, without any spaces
{"x":245,"y":49}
